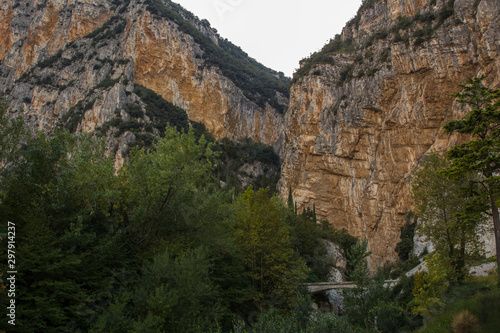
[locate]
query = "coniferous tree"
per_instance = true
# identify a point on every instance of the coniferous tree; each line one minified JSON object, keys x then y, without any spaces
{"x":61,"y":199}
{"x":290,"y":202}
{"x":482,"y":153}
{"x":314,"y":218}
{"x":12,"y":134}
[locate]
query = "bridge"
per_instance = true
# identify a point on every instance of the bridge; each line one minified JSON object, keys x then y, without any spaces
{"x":318,"y":287}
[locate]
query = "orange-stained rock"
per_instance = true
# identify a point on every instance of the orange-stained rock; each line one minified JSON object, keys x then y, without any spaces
{"x":351,"y":149}
{"x":169,"y":62}
{"x":164,"y":59}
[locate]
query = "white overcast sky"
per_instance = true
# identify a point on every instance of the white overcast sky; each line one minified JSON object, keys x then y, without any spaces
{"x":277,"y":33}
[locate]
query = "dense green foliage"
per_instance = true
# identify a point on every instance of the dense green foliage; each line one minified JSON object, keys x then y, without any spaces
{"x":479,"y":297}
{"x":75,"y":114}
{"x":372,"y":305}
{"x":156,"y":247}
{"x":273,"y":322}
{"x":233,"y":155}
{"x":451,"y":214}
{"x":323,"y":56}
{"x":430,"y":286}
{"x":161,"y":246}
{"x":480,"y":155}
{"x":61,"y":199}
{"x":114,"y":26}
{"x":273,"y":267}
{"x":405,"y":246}
{"x":12,"y":132}
{"x":161,"y":112}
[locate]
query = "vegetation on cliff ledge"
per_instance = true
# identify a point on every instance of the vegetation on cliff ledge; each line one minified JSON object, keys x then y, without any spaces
{"x":158,"y":246}
{"x":412,"y":31}
{"x":259,"y":83}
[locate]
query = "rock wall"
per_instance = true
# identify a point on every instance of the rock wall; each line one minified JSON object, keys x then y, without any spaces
{"x":358,"y":126}
{"x":32,"y":29}
{"x":161,"y":57}
{"x":170,"y":63}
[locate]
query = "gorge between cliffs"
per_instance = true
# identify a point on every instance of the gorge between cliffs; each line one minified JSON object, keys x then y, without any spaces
{"x":350,"y":128}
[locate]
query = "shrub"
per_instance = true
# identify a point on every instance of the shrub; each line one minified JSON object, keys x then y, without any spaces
{"x":403,"y":23}
{"x":389,"y":317}
{"x":49,"y":62}
{"x":384,"y":57}
{"x":398,"y":38}
{"x":46,"y":80}
{"x":427,"y":17}
{"x":75,"y":114}
{"x":446,"y":11}
{"x":134,"y":110}
{"x":131,"y":125}
{"x":77,"y":56}
{"x":465,"y":322}
{"x":107,"y":82}
{"x":65,"y":62}
{"x":324,"y":56}
{"x":372,"y":71}
{"x":123,"y":61}
{"x":346,"y":74}
{"x":106,"y":31}
{"x":419,"y":41}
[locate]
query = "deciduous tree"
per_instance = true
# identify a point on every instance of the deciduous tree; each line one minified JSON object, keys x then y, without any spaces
{"x":262,"y":233}
{"x":161,"y":183}
{"x":451,"y":215}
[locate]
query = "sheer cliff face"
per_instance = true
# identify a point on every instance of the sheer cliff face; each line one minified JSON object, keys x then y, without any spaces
{"x":361,"y":114}
{"x":171,"y":64}
{"x":99,"y":68}
{"x":31,"y":29}
{"x":359,"y":123}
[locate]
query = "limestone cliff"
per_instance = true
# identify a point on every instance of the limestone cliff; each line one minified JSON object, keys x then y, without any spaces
{"x":362,"y":111}
{"x":81,"y":63}
{"x":365,"y":109}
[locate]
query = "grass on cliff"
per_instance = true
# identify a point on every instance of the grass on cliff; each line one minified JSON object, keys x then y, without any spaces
{"x":403,"y":30}
{"x":480,"y":296}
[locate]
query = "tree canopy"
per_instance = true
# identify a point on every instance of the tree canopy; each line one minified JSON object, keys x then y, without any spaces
{"x":481,"y":154}
{"x":451,"y":214}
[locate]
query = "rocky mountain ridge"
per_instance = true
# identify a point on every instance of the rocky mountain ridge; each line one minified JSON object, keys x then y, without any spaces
{"x":81,"y":64}
{"x":366,"y":108}
{"x":362,"y":113}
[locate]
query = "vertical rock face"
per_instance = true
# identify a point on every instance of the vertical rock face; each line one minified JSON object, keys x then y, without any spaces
{"x":362,"y":112}
{"x":33,"y":29}
{"x":58,"y":53}
{"x":171,"y":63}
{"x":363,"y":115}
